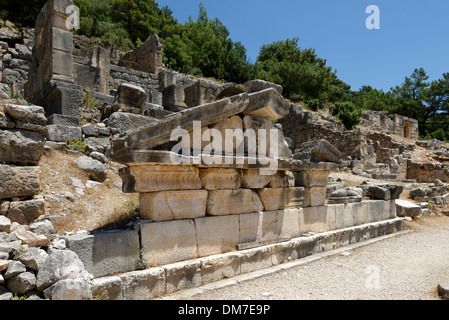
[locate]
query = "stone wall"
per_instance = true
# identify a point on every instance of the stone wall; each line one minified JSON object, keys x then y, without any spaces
{"x":147,"y":57}
{"x":22,"y":140}
{"x":393,"y":124}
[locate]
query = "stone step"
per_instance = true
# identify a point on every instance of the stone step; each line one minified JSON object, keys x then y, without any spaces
{"x":170,"y":278}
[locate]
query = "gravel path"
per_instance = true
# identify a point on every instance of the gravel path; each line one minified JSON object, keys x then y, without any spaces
{"x":407,"y":267}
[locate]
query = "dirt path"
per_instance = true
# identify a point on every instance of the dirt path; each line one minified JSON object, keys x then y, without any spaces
{"x":404,"y":267}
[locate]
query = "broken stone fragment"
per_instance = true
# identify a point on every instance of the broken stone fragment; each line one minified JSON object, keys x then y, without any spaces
{"x":407,"y":209}
{"x":318,"y":151}
{"x":95,"y":168}
{"x":267,"y":104}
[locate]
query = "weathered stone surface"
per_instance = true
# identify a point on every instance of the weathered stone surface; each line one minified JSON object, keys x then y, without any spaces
{"x":346,"y":195}
{"x":95,"y":168}
{"x":218,"y":267}
{"x":21,"y":147}
{"x":318,"y":151}
{"x":173,"y":205}
{"x":5,"y":250}
{"x":311,"y":178}
{"x":252,"y":179}
{"x":30,"y":118}
{"x":28,"y":237}
{"x":259,"y":226}
{"x":267,"y":104}
{"x":19,"y":181}
{"x":173,"y":98}
{"x":230,"y":144}
{"x":69,"y":289}
{"x":33,"y":258}
{"x":22,"y":283}
{"x":318,"y":219}
{"x":143,"y":285}
{"x":152,"y":178}
{"x":14,"y":268}
{"x":159,"y":133}
{"x":315,"y":196}
{"x":226,"y":202}
{"x":25,"y":212}
{"x":280,"y":198}
{"x":147,"y":57}
{"x":282,"y":179}
{"x":228,"y":90}
{"x":127,"y":121}
{"x":183,"y":275}
{"x":89,"y":130}
{"x":61,"y":133}
{"x":63,"y":120}
{"x":259,"y":85}
{"x":261,"y":128}
{"x":217,"y":235}
{"x":407,"y":209}
{"x":107,"y":288}
{"x":220,"y":178}
{"x":132,"y":96}
{"x":5,"y":224}
{"x":382,"y":191}
{"x":105,"y":253}
{"x":169,"y":241}
{"x":59,"y":265}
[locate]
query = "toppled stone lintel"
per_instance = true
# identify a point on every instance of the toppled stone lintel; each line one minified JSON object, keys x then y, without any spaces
{"x":267,"y":104}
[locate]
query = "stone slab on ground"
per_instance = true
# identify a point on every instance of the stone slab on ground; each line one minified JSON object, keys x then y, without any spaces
{"x":106,"y":253}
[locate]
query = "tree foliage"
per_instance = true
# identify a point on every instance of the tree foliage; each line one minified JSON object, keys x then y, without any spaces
{"x":302,"y":73}
{"x":23,"y":13}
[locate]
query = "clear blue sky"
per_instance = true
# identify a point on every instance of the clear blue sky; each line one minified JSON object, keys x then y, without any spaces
{"x":413,"y":33}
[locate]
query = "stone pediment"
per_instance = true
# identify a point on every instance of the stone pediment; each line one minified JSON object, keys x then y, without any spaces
{"x":267,"y":104}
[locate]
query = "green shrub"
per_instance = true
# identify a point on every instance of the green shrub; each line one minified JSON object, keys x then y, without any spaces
{"x":347,"y":113}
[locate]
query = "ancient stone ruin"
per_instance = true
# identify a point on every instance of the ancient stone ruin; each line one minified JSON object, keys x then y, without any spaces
{"x":231,"y":178}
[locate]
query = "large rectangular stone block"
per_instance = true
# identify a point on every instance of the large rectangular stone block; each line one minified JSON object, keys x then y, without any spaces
{"x":183,"y":275}
{"x":168,"y":242}
{"x":152,"y":178}
{"x":280,"y":198}
{"x":62,"y":40}
{"x":376,"y":210}
{"x":256,"y":259}
{"x":225,"y":202}
{"x":318,"y":219}
{"x":217,"y":235}
{"x":106,"y":253}
{"x":144,"y":284}
{"x":289,"y":220}
{"x":220,"y":178}
{"x":361,"y":213}
{"x":344,"y":217}
{"x":65,"y":99}
{"x":259,"y":226}
{"x":19,"y":181}
{"x":311,"y":178}
{"x":173,"y":205}
{"x":315,"y":196}
{"x":267,"y":104}
{"x":218,"y":267}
